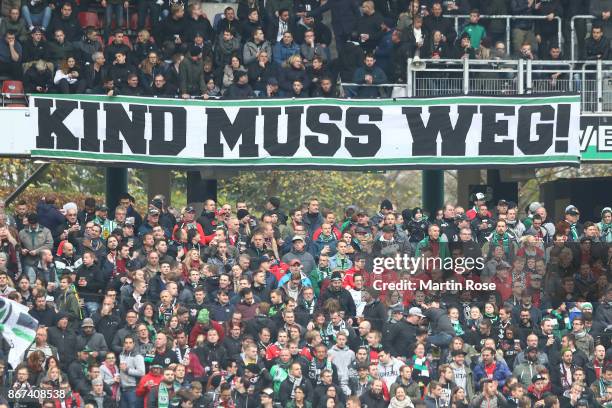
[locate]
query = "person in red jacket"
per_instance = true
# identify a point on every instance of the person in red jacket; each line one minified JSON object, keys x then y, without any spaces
{"x":150,"y":380}
{"x":71,"y":399}
{"x":188,"y":222}
{"x":203,"y":323}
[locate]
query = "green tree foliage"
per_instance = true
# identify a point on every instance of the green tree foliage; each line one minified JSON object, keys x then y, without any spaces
{"x":334,"y":189}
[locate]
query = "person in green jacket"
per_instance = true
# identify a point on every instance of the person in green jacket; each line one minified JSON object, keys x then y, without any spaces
{"x":438,"y":243}
{"x":475,"y":30}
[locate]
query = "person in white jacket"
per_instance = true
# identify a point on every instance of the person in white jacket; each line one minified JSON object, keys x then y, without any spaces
{"x":68,"y":78}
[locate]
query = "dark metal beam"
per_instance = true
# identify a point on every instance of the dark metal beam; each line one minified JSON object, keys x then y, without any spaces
{"x":40,"y":170}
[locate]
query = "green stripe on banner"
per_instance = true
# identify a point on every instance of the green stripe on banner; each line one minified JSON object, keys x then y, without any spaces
{"x":28,"y":336}
{"x":482,"y":100}
{"x":592,"y":153}
{"x":272,"y":161}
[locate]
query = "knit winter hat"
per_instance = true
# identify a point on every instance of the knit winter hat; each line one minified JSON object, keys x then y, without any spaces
{"x":203,"y":316}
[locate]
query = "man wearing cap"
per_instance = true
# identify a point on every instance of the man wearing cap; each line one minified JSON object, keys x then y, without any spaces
{"x":572,"y":215}
{"x":149,"y":381}
{"x":479,"y":199}
{"x":79,"y":369}
{"x":33,"y":238}
{"x":107,"y":225}
{"x":528,"y":368}
{"x":501,"y":208}
{"x":187,"y":223}
{"x":298,"y":252}
{"x":64,"y":339}
{"x":385,"y":208}
{"x":538,"y":391}
{"x":336,"y":291}
{"x":462,"y":373}
{"x":89,"y":338}
{"x":403,"y":336}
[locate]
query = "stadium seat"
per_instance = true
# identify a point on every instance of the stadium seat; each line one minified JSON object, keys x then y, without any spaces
{"x":89,"y":18}
{"x":13,"y":92}
{"x":12,"y":88}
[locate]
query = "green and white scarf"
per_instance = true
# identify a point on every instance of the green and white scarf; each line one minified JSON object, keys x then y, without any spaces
{"x":163,"y":396}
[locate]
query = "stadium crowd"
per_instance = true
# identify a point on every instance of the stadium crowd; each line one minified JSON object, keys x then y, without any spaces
{"x":274,"y":48}
{"x":227,"y":308}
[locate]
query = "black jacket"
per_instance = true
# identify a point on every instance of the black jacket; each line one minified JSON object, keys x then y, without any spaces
{"x":376,"y":314}
{"x":66,"y":343}
{"x":371,"y":400}
{"x":442,"y":24}
{"x":370,"y":25}
{"x":35,"y":52}
{"x":403,"y":338}
{"x":594,"y":50}
{"x":343,"y":297}
{"x":34,"y":78}
{"x":71,"y":27}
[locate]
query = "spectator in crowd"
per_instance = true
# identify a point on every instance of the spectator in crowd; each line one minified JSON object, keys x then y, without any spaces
{"x":256,"y":45}
{"x":116,"y":8}
{"x":279,"y":26}
{"x":597,"y":46}
{"x":11,"y":54}
{"x":369,"y":74}
{"x":345,"y":14}
{"x":66,"y":21}
{"x":68,"y":78}
{"x":60,"y":48}
{"x":36,"y":13}
{"x":15,"y":23}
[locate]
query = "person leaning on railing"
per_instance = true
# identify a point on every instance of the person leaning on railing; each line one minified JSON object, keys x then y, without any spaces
{"x":597,"y":46}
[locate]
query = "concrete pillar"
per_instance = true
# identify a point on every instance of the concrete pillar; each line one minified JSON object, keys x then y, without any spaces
{"x":432,"y":184}
{"x":158,"y":182}
{"x":116,"y":184}
{"x":465,"y":179}
{"x":200,"y":189}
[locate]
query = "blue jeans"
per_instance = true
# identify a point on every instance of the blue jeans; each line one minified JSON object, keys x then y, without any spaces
{"x":129,"y":399}
{"x":36,"y":19}
{"x":92,"y":307}
{"x":118,"y":10}
{"x":441,"y":340}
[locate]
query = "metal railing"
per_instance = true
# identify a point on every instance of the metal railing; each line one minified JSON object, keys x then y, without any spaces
{"x":351,"y":90}
{"x":508,"y":18}
{"x":573,"y":38}
{"x":437,"y":77}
